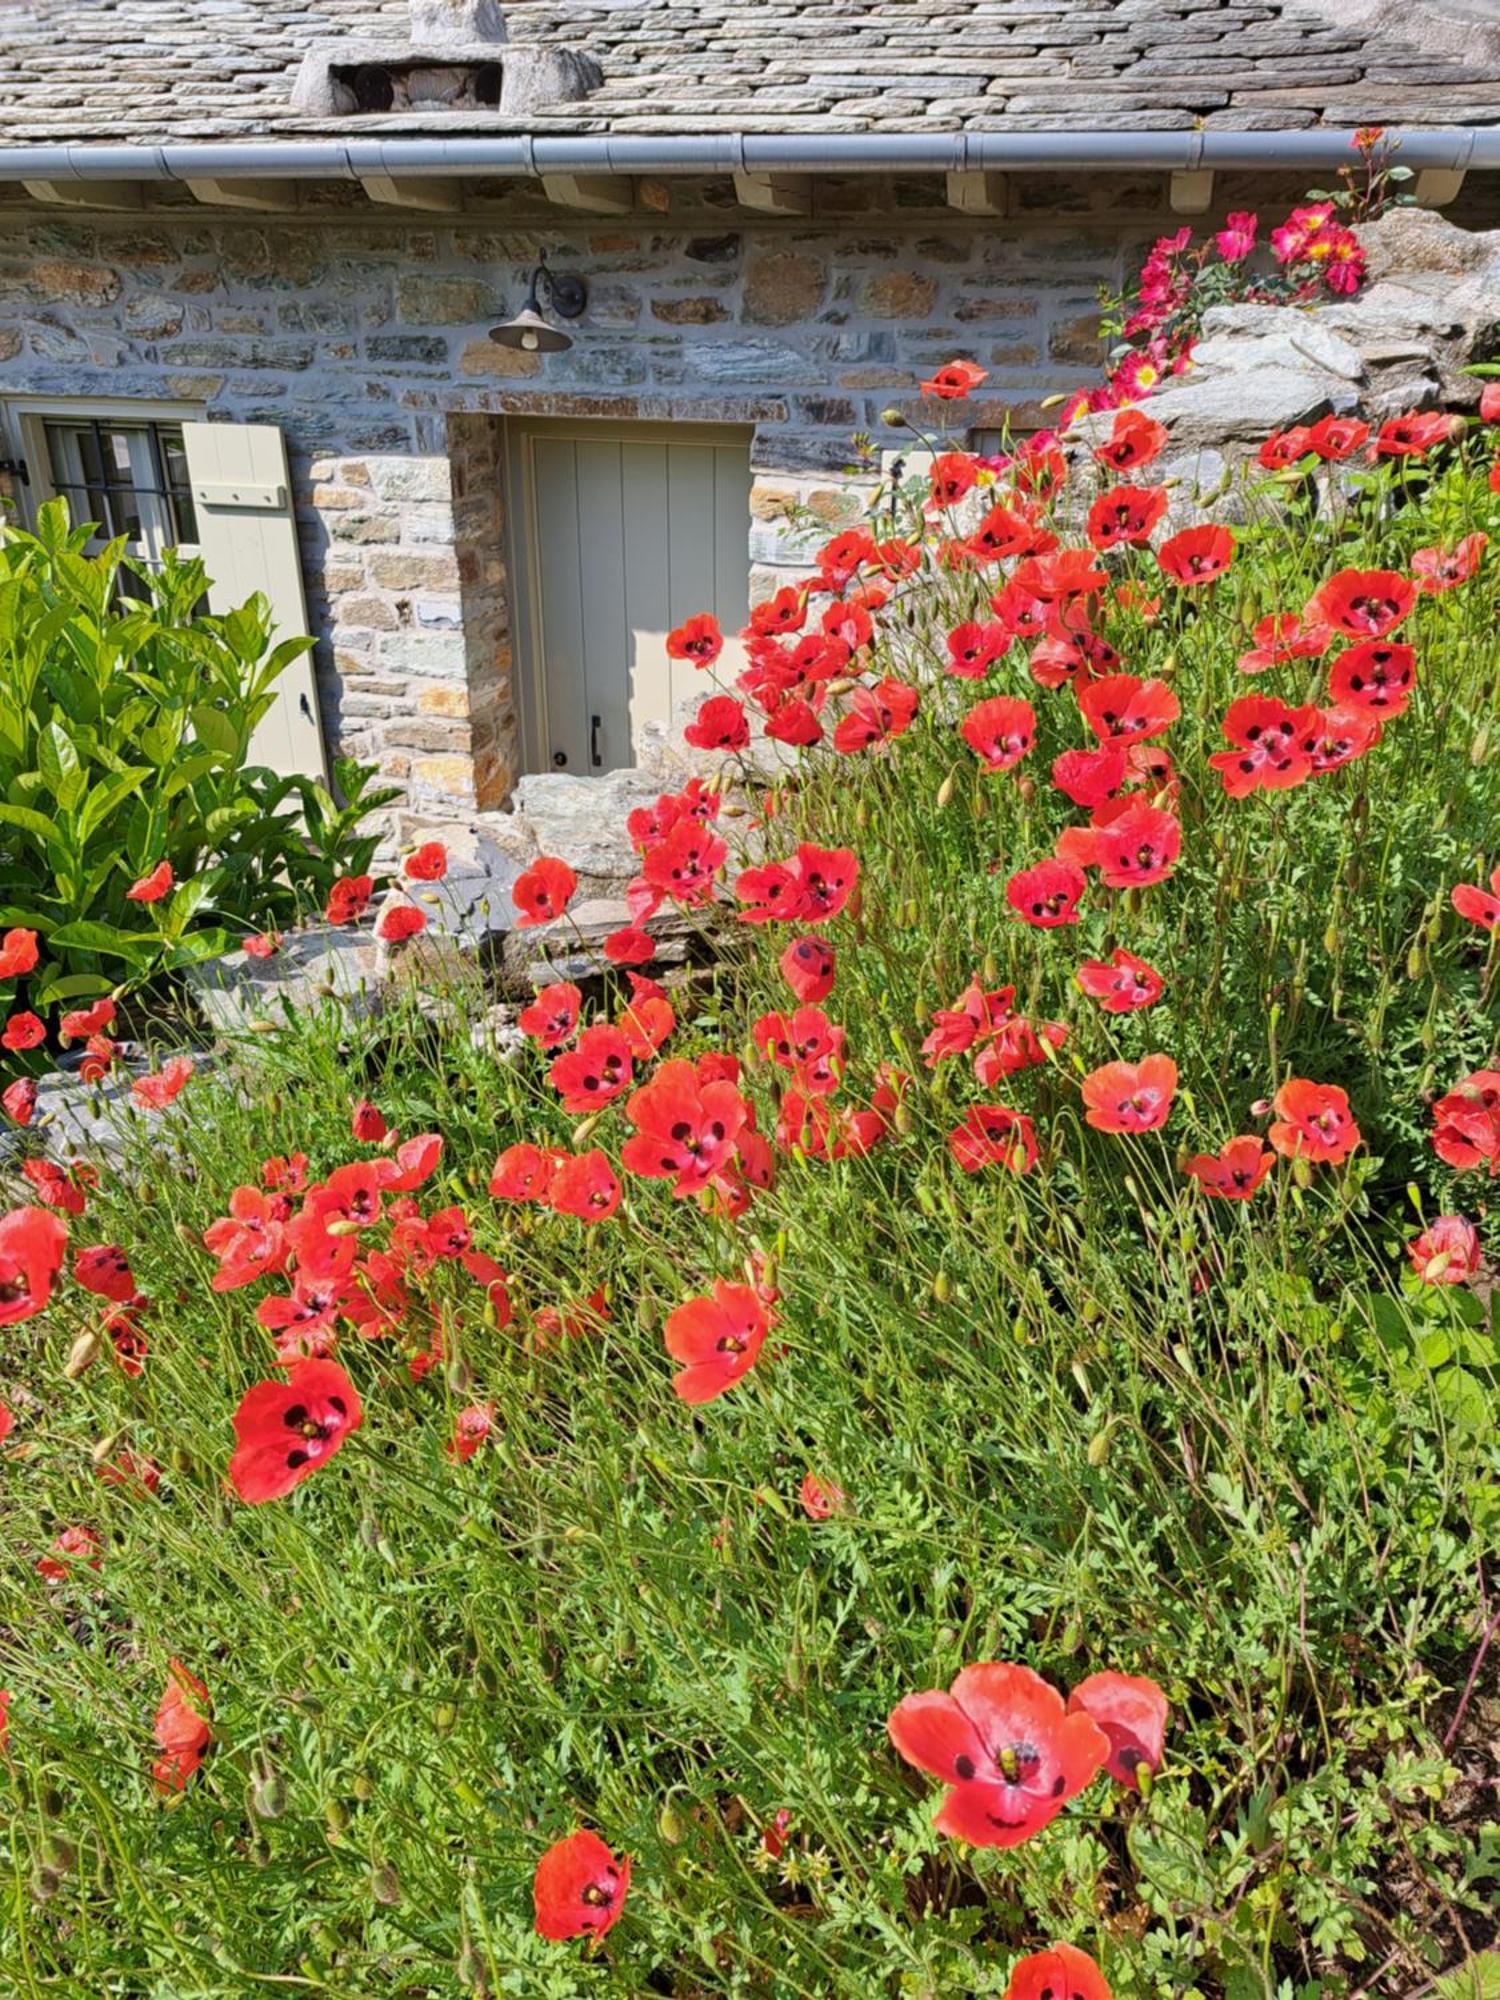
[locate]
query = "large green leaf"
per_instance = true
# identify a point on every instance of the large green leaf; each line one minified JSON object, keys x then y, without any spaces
{"x":60,"y":765}
{"x":88,"y":935}
{"x":1478,"y":1980}
{"x":216,"y":731}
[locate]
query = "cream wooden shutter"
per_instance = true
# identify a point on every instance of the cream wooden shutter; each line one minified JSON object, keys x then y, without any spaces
{"x":247,"y":536}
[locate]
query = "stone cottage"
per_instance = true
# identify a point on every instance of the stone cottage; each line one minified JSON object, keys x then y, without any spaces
{"x":252,"y":253}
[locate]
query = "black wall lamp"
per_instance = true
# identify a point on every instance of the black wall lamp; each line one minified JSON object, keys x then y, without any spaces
{"x":563,"y":294}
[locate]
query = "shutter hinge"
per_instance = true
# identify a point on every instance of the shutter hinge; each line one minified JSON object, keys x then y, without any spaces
{"x":220,"y":494}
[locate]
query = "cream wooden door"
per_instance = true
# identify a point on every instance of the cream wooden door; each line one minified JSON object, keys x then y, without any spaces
{"x":623,"y":533}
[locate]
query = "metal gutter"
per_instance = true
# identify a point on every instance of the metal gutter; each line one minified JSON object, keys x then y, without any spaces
{"x":1458,"y":149}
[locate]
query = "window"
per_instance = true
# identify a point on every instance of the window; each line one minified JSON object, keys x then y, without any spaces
{"x":121,"y":466}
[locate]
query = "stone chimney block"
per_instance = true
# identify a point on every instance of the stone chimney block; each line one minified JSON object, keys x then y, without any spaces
{"x":448,"y":24}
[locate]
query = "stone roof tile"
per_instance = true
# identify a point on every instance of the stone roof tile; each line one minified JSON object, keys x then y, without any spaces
{"x":150,"y":71}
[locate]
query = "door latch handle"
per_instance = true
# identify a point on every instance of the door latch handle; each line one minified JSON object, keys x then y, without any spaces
{"x":594,"y":755}
{"x":559,"y":758}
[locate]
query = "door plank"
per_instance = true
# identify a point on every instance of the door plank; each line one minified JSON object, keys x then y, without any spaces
{"x":560,"y":637}
{"x":606,"y":636}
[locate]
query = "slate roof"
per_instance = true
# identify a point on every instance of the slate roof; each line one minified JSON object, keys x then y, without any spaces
{"x":182,"y":70}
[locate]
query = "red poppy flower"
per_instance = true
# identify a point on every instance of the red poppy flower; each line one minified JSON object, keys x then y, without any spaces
{"x":1234,"y":1172}
{"x":974,"y":1014}
{"x":7,"y":1421}
{"x":1137,"y":845}
{"x":828,"y":876}
{"x":1362,"y":603}
{"x":132,"y":1472}
{"x":1132,"y":1712}
{"x":683,"y":864}
{"x":367,"y":1122}
{"x":1004,"y":1744}
{"x":470,"y":1429}
{"x":264,"y":944}
{"x":156,"y":1092}
{"x":820,"y":1498}
{"x":1130,"y":1096}
{"x":686,"y":1129}
{"x":1478,"y":906}
{"x":284,"y":1430}
{"x":32,"y":1243}
{"x":1022,"y":614}
{"x":1439,"y":569}
{"x":953,"y":474}
{"x":808,"y":966}
{"x":1135,"y":440}
{"x":1121,"y":708}
{"x":151,"y":888}
{"x":348,"y":899}
{"x":786,"y":611}
{"x":1198,"y":555}
{"x":552,"y":1015}
{"x":1334,"y":438}
{"x":973,"y":649}
{"x":74,"y":1545}
{"x":23,"y":1031}
{"x":18,"y":954}
{"x":842,"y":556}
{"x":19,"y":1099}
{"x":718,"y":725}
{"x":1314,"y":1122}
{"x":181,"y":1728}
{"x":1281,"y":637}
{"x":876,"y":715}
{"x":1126,"y":515}
{"x":631,"y":946}
{"x":954,"y":381}
{"x":584,"y":1185}
{"x":1061,"y":1972}
{"x":580,"y":1887}
{"x":596,"y":1072}
{"x":1377,"y":675}
{"x":1447,"y":1251}
{"x":67,"y":1190}
{"x":524,"y":1172}
{"x":400,"y":921}
{"x":427,"y":863}
{"x":1046,"y":895}
{"x":1338,"y":736}
{"x":1016,"y":1046}
{"x":1269,"y":753}
{"x":717,"y":1338}
{"x":86,"y":1021}
{"x":104,"y":1269}
{"x":1060,"y":573}
{"x":1002,"y":534}
{"x":1000,"y":731}
{"x":1414,"y":433}
{"x":698,"y":639}
{"x":993,"y":1135}
{"x":1466,"y":1123}
{"x":249,"y":1242}
{"x":1090,"y":778}
{"x":544,"y":891}
{"x":1123,"y":984}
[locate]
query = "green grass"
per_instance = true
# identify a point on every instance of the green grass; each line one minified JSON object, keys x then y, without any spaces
{"x":1083,"y":1419}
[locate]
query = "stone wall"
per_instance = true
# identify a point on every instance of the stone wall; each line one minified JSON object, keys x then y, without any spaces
{"x":364,"y":341}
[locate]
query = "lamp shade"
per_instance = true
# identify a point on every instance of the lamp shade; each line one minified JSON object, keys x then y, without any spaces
{"x":531,"y":333}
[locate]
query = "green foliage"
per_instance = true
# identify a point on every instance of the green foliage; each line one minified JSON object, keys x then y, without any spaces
{"x":125,"y":729}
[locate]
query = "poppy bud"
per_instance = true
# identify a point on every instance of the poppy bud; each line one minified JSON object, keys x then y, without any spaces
{"x":1415,"y":961}
{"x":44,"y":1884}
{"x":1302,"y":1173}
{"x":904,"y":1121}
{"x":942,"y":1288}
{"x":1331,"y":940}
{"x":51,"y":1804}
{"x":1080,"y":1376}
{"x":585,"y":1130}
{"x":670,"y":1825}
{"x":1144,"y":1780}
{"x":1479,"y":749}
{"x":59,"y":1854}
{"x":470,"y":1971}
{"x":268,"y":1795}
{"x":81,"y":1356}
{"x":336,"y":1818}
{"x":460,"y":1377}
{"x":385,"y":1886}
{"x":1168,"y":665}
{"x":443,"y":1717}
{"x":945,"y":791}
{"x":260,"y":1851}
{"x":1429,"y":1034}
{"x":893,"y":419}
{"x":343,"y":1226}
{"x":362,"y":1785}
{"x":191,"y":1237}
{"x":911,"y":915}
{"x":861,"y":815}
{"x":1098,"y":1450}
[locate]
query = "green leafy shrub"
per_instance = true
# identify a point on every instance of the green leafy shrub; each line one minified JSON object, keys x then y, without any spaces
{"x":125,"y":733}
